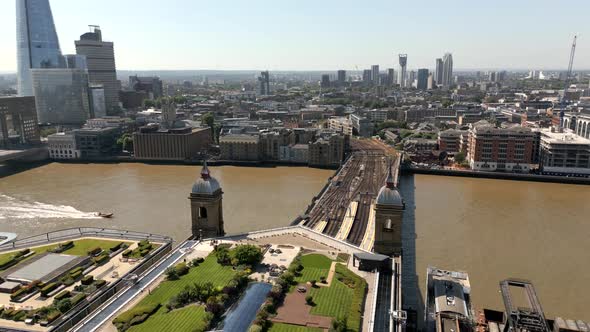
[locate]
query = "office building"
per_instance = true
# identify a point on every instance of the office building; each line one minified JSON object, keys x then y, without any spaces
{"x":438,"y":73}
{"x":264,"y":83}
{"x":341,"y":125}
{"x":422,"y":83}
{"x":154,"y":143}
{"x":362,"y":126}
{"x":100,"y":57}
{"x":96,"y":143}
{"x":564,"y":153}
{"x":61,"y":95}
{"x":152,"y":86}
{"x":498,"y":149}
{"x":430,"y":82}
{"x":447,"y":74}
{"x":96,"y":100}
{"x":62,"y":146}
{"x":241,"y":147}
{"x":341,"y":77}
{"x":375,"y":74}
{"x":403,"y":62}
{"x":452,"y":141}
{"x":325,"y":83}
{"x":367,"y":76}
{"x":18,"y":121}
{"x":37,"y":43}
{"x":411,"y":79}
{"x":390,"y":76}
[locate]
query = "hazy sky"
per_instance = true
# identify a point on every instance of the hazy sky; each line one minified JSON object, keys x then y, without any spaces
{"x":321,"y":34}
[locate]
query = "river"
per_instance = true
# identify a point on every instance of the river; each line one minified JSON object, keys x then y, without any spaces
{"x":493,"y":229}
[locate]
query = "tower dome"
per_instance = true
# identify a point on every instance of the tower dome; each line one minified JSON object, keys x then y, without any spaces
{"x":388,"y":195}
{"x":206,"y":184}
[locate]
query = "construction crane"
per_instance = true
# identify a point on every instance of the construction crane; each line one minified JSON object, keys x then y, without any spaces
{"x":567,"y":82}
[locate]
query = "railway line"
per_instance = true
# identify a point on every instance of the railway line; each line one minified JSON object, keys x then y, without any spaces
{"x":359,"y":180}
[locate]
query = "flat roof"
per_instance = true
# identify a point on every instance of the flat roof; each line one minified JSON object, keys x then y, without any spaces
{"x":42,"y":267}
{"x":567,"y":137}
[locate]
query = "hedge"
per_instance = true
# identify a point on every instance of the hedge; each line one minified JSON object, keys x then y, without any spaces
{"x":87,"y":280}
{"x":135,"y":316}
{"x":144,"y":252}
{"x":79,"y":268}
{"x":143,"y":243}
{"x":53,"y":316}
{"x":94,"y":251}
{"x":116,"y":247}
{"x":18,"y":293}
{"x":78,"y":298}
{"x":181,"y":269}
{"x":76,"y":275}
{"x":48,"y":288}
{"x":99,"y":283}
{"x":7,"y":262}
{"x":63,"y":295}
{"x":101,"y":259}
{"x":127,"y":253}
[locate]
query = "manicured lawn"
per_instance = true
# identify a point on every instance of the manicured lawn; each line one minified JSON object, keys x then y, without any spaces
{"x":82,"y":247}
{"x":315,"y":266}
{"x":189,"y":319}
{"x":278,"y":327}
{"x":333,"y":301}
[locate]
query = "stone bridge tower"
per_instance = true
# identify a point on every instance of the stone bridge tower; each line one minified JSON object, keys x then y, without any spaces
{"x":388,"y":219}
{"x":206,"y":208}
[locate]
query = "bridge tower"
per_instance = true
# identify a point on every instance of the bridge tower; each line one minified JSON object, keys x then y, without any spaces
{"x":388,"y":219}
{"x":206,"y":208}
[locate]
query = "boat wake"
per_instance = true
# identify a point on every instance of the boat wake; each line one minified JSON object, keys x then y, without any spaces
{"x":13,"y":208}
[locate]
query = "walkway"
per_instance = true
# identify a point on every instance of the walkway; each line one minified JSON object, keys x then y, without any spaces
{"x":104,"y":313}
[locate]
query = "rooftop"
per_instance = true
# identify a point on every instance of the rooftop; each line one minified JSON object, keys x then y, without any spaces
{"x":567,"y":137}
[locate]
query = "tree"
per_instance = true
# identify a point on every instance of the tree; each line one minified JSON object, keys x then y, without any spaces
{"x":148,"y":103}
{"x":313,"y":282}
{"x":309,"y":299}
{"x":64,"y":305}
{"x":222,"y":254}
{"x":208,"y":119}
{"x":339,"y":324}
{"x":460,"y":157}
{"x":247,"y":254}
{"x":172,"y":274}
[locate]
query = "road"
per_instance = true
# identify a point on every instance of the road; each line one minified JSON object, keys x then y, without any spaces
{"x":104,"y":313}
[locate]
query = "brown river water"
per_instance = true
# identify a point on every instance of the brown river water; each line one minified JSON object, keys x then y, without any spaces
{"x":492,"y":229}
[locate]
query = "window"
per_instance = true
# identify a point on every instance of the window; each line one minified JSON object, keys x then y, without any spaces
{"x":388,"y":226}
{"x":202,"y":212}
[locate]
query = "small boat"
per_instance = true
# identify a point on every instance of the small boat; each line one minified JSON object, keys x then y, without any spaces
{"x":104,"y":215}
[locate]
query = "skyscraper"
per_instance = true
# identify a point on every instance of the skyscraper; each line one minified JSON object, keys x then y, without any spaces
{"x":264,"y":83}
{"x":100,"y":57}
{"x":325,"y":83}
{"x":438,"y":74}
{"x":390,"y":76}
{"x":367,"y":76}
{"x":403,"y":62}
{"x":422,"y":79}
{"x":341,"y":77}
{"x":447,"y":79}
{"x":37,"y":43}
{"x":375,"y":74}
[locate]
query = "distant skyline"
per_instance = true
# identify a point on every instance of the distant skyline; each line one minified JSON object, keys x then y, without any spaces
{"x":321,"y":35}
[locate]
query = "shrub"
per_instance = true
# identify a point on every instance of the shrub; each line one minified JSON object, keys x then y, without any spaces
{"x":127,"y":253}
{"x":101,"y":259}
{"x":143,"y":243}
{"x":63,"y":295}
{"x":48,"y":288}
{"x":135,"y":316}
{"x":16,"y":295}
{"x":247,"y":254}
{"x":76,"y":275}
{"x":172,"y":274}
{"x":78,"y":298}
{"x":313,"y":282}
{"x":87,"y":280}
{"x":181,"y":269}
{"x":19,"y":315}
{"x":144,"y":252}
{"x":94,"y":251}
{"x":323,"y":279}
{"x":309,"y":299}
{"x":99,"y":283}
{"x":255,"y":328}
{"x":64,"y":305}
{"x":79,"y":268}
{"x":53,"y":316}
{"x":116,"y":247}
{"x":7,"y":262}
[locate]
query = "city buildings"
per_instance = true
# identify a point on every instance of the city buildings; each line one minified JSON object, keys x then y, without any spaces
{"x":438,"y":73}
{"x":152,"y":86}
{"x":61,"y":95}
{"x":325,"y":83}
{"x":452,"y":141}
{"x":362,"y":126}
{"x":367,"y":76}
{"x":564,"y":153}
{"x":447,"y":72}
{"x":18,"y":121}
{"x":240,"y":147}
{"x":264,"y":83}
{"x":403,"y":62}
{"x":98,"y":108}
{"x":62,"y":146}
{"x":37,"y":42}
{"x":341,"y":77}
{"x":327,"y":150}
{"x":499,"y":149}
{"x":422,"y":83}
{"x":341,"y":125}
{"x":390,"y":76}
{"x":375,"y":75}
{"x":154,"y":143}
{"x":100,"y":57}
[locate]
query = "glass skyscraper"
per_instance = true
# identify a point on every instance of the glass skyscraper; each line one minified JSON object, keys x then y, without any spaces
{"x":37,"y":43}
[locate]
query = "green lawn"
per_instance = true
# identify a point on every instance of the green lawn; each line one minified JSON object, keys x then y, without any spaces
{"x":81,"y":248}
{"x":190,"y":319}
{"x":333,"y":301}
{"x":185,"y":319}
{"x":278,"y":327}
{"x":314,"y":267}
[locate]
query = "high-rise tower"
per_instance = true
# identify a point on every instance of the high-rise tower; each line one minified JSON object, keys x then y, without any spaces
{"x":403,"y":62}
{"x":375,"y":74}
{"x":100,"y":57}
{"x":447,"y":75}
{"x":438,"y":73}
{"x":37,"y":43}
{"x":206,"y":208}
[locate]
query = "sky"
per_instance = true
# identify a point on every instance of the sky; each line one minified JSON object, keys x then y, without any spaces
{"x":320,"y":34}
